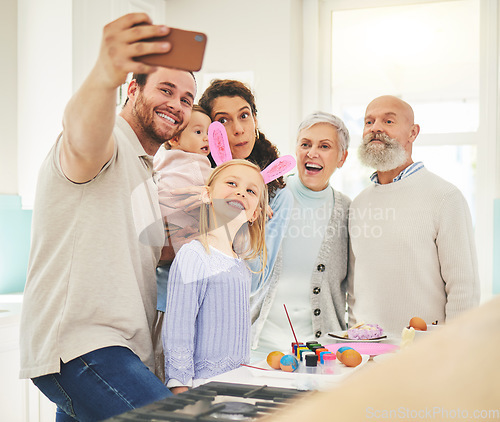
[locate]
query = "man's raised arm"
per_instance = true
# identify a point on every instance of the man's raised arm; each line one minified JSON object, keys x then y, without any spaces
{"x":89,"y":117}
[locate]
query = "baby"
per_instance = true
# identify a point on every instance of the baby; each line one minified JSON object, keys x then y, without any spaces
{"x":180,"y":162}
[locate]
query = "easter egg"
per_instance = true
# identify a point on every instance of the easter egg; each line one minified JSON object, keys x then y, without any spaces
{"x":273,"y":359}
{"x":289,"y":363}
{"x":418,"y":324}
{"x":350,"y":358}
{"x":341,"y":350}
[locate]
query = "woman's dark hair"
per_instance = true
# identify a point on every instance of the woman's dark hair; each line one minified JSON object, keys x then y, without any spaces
{"x":264,"y":152}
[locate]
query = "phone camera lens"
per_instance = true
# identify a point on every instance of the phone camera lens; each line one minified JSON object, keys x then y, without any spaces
{"x":198,"y":38}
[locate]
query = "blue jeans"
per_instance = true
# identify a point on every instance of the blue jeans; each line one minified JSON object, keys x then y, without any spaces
{"x":101,"y":384}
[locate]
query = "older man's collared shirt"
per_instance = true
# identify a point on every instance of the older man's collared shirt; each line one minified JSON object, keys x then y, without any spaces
{"x":408,"y":171}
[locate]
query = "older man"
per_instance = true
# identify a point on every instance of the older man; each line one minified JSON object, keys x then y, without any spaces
{"x":90,"y":297}
{"x":411,"y":231}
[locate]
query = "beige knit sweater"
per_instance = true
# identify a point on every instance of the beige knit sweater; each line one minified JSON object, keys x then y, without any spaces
{"x":413,"y":253}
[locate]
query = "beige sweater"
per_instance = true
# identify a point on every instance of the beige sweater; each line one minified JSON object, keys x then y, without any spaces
{"x":413,"y":253}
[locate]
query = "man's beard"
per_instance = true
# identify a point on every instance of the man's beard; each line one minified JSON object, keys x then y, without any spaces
{"x":145,"y":115}
{"x":382,"y":157}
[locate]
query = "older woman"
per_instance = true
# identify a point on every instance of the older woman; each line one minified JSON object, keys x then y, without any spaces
{"x":310,"y":270}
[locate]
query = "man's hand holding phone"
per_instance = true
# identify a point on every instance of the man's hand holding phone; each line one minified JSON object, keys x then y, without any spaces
{"x":132,"y":44}
{"x":124,"y":40}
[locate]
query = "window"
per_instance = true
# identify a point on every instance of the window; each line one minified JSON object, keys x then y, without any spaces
{"x":441,"y":57}
{"x":432,"y":63}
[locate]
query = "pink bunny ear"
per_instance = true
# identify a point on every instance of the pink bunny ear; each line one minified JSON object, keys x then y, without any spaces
{"x":278,"y":168}
{"x":219,"y":145}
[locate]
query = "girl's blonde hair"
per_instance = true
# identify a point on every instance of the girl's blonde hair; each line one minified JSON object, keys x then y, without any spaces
{"x":253,"y":245}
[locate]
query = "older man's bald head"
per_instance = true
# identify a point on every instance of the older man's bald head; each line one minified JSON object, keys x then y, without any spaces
{"x":390,"y":102}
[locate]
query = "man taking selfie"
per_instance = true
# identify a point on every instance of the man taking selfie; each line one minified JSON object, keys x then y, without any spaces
{"x":90,"y":297}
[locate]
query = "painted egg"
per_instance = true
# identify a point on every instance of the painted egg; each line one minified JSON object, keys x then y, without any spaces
{"x":418,"y":324}
{"x":273,"y":359}
{"x":350,"y":358}
{"x":289,"y":363}
{"x":341,"y":350}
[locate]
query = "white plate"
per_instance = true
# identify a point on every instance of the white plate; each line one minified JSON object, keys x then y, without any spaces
{"x":338,"y":335}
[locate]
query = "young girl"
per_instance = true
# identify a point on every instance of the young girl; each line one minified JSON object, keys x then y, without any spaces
{"x":206,"y":330}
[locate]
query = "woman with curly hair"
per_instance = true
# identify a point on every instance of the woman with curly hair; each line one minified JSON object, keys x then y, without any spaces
{"x":232,"y":103}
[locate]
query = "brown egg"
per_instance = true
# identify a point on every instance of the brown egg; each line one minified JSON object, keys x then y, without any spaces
{"x":273,"y":359}
{"x":418,"y":324}
{"x":342,"y":350}
{"x":351,"y":358}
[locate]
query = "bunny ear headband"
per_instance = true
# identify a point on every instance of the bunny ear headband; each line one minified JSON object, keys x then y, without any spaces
{"x":219,"y":148}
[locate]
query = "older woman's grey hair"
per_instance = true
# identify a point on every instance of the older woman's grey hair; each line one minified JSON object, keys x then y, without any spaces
{"x":322,"y":117}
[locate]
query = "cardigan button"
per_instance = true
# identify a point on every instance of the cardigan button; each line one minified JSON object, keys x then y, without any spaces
{"x":316,"y":290}
{"x":318,"y":334}
{"x":321,"y":268}
{"x":317,"y":311}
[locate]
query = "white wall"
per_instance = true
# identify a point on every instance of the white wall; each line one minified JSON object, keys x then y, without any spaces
{"x":57,"y":44}
{"x":89,"y":19}
{"x":261,"y":36}
{"x":44,"y":83}
{"x":8,"y":104}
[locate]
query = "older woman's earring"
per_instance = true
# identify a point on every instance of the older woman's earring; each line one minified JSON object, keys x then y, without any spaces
{"x":250,"y":223}
{"x":257,"y":133}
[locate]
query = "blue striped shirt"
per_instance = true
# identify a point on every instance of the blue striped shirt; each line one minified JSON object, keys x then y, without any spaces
{"x":408,"y":171}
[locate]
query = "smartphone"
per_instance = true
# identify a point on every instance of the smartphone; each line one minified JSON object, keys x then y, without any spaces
{"x":186,"y":53}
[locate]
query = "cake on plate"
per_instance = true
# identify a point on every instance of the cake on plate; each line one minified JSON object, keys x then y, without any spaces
{"x":365,"y":332}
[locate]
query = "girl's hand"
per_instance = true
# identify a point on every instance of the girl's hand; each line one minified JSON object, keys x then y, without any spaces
{"x":193,"y":200}
{"x":178,"y":390}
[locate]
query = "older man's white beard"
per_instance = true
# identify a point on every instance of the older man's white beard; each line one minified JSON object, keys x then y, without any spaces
{"x":386,"y":156}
